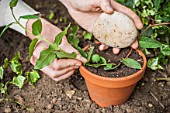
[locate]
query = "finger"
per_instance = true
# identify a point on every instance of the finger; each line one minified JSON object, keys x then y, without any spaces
{"x":116,"y":50}
{"x":120,"y":8}
{"x":135,"y":44}
{"x":56,"y":73}
{"x":64,"y":63}
{"x":80,"y":58}
{"x":64,"y":76}
{"x":106,"y":6}
{"x":71,"y":49}
{"x":103,"y":47}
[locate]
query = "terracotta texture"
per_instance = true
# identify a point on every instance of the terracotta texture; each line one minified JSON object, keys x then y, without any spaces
{"x":112,"y":91}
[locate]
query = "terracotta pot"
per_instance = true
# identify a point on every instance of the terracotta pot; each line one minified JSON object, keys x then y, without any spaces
{"x":111,"y":91}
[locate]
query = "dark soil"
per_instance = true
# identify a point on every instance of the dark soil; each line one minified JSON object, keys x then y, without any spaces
{"x":71,"y":95}
{"x":121,"y":70}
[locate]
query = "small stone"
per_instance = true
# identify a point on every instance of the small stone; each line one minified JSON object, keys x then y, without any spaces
{"x":39,"y":96}
{"x":146,"y":79}
{"x":161,"y":84}
{"x":70,"y":93}
{"x":150,"y":105}
{"x":54,"y":100}
{"x":49,"y":106}
{"x":7,"y":110}
{"x":19,"y":99}
{"x":31,"y":110}
{"x":128,"y":110}
{"x":168,"y":83}
{"x":98,"y":111}
{"x":79,"y":98}
{"x":59,"y":99}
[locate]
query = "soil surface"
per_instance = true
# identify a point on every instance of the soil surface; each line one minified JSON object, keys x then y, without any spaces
{"x":121,"y":70}
{"x":71,"y":95}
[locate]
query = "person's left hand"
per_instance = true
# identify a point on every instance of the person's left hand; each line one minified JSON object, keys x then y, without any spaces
{"x":59,"y":69}
{"x":86,"y":12}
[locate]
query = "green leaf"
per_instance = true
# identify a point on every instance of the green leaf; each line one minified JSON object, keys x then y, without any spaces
{"x":3,"y":87}
{"x":90,"y":54}
{"x":32,"y":77}
{"x":13,"y":3}
{"x":73,"y":40}
{"x":146,"y":42}
{"x":66,"y":55}
{"x":19,"y":81}
{"x":1,"y":73}
{"x":165,"y":50}
{"x":81,"y":52}
{"x":103,"y":60}
{"x":131,"y":63}
{"x":154,"y":64}
{"x":87,"y":36}
{"x":94,"y":65}
{"x":15,"y":64}
{"x":5,"y":63}
{"x":95,"y":58}
{"x":6,"y":27}
{"x":46,"y":57}
{"x":29,"y":17}
{"x":31,"y":47}
{"x":157,"y":4}
{"x":74,"y":30}
{"x":109,"y":67}
{"x":59,"y":37}
{"x":37,"y":27}
{"x":51,"y":15}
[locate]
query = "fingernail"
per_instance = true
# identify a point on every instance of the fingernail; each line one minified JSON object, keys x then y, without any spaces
{"x":109,"y":8}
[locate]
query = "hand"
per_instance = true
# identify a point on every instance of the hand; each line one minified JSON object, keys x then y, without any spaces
{"x":86,"y":12}
{"x":58,"y":69}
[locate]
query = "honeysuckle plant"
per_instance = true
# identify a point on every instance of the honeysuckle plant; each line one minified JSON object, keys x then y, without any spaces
{"x":19,"y":76}
{"x":48,"y":55}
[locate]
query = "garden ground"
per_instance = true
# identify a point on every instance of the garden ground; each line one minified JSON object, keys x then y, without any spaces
{"x":71,"y":95}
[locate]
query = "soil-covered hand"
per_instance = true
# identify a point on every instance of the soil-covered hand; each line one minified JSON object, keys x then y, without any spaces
{"x":86,"y":12}
{"x":58,"y":69}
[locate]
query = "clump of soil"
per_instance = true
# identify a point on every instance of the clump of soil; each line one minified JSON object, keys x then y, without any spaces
{"x":120,"y":71}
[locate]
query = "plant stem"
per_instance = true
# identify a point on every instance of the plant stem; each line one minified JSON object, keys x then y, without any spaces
{"x":19,"y":23}
{"x":129,"y":53}
{"x":40,"y":36}
{"x":161,"y":24}
{"x":166,"y":79}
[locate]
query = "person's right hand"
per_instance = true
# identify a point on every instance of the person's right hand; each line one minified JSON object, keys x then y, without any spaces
{"x":58,"y":69}
{"x":86,"y":12}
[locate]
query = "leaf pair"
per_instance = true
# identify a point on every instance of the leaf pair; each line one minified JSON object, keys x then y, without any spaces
{"x":74,"y":40}
{"x":47,"y":56}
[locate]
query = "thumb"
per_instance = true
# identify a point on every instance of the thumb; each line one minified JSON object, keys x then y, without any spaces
{"x":81,"y":58}
{"x":106,"y":6}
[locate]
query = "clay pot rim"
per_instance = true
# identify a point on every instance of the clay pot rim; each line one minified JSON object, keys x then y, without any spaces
{"x":134,"y":75}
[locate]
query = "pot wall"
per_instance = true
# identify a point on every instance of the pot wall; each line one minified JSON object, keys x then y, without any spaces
{"x":111,"y":91}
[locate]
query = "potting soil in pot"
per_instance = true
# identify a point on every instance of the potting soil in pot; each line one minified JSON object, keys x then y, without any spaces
{"x":122,"y":70}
